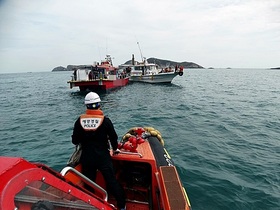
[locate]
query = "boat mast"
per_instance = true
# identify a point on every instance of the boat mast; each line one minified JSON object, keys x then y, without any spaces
{"x":140,"y":52}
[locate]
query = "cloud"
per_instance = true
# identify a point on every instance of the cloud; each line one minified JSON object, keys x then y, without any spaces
{"x":40,"y":35}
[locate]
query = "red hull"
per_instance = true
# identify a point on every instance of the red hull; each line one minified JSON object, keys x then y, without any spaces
{"x":97,"y":85}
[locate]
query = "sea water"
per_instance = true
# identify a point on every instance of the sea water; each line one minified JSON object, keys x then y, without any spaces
{"x":221,"y":127}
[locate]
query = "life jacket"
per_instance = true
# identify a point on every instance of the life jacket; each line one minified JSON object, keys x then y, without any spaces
{"x":92,"y":119}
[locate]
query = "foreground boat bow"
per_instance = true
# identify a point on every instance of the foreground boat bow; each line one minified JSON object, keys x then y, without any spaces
{"x":143,"y":168}
{"x":25,"y":184}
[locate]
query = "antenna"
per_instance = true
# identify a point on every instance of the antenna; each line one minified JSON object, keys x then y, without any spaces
{"x":140,"y":52}
{"x":106,"y":45}
{"x":99,"y":53}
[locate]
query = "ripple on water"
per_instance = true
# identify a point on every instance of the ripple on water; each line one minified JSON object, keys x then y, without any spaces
{"x":220,"y":127}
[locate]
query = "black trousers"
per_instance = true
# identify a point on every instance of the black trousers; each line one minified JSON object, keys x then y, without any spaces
{"x":102,"y":161}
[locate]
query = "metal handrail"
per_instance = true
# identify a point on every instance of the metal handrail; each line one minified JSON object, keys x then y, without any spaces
{"x":86,"y":180}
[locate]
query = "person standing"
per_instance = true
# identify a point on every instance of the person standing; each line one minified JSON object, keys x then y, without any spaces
{"x":93,"y":130}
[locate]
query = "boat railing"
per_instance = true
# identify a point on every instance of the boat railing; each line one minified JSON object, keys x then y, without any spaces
{"x":86,"y":180}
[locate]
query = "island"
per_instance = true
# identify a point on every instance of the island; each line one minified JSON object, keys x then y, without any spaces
{"x":160,"y":62}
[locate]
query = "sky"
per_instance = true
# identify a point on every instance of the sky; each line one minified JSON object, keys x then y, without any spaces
{"x":39,"y":35}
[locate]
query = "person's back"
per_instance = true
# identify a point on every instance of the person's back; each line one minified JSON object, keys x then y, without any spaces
{"x":92,"y":130}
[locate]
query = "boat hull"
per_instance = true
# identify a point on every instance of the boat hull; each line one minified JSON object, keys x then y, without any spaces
{"x":157,"y":78}
{"x":99,"y":85}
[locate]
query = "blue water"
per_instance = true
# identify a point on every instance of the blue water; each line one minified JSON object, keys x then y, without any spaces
{"x":221,"y":127}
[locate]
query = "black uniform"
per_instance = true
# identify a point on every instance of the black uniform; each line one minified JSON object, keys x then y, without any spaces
{"x":96,"y":155}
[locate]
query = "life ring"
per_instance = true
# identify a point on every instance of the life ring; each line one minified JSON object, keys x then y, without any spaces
{"x":126,"y":137}
{"x":155,"y":133}
{"x":180,"y":73}
{"x":135,"y":131}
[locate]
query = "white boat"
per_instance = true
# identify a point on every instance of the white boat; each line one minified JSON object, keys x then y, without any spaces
{"x":150,"y":72}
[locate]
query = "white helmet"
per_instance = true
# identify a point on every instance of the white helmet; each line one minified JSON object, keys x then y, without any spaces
{"x":92,"y":98}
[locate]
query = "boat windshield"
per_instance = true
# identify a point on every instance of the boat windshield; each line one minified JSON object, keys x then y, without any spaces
{"x":140,"y":68}
{"x":38,"y":191}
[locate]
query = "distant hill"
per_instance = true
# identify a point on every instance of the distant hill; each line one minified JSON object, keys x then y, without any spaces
{"x":59,"y":68}
{"x":69,"y":67}
{"x":164,"y":63}
{"x":160,"y":62}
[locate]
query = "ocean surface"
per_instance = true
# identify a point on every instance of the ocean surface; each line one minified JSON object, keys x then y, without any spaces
{"x":221,"y":128}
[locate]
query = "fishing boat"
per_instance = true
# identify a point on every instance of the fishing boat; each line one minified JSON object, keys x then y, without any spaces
{"x":99,"y":77}
{"x":151,"y":72}
{"x":143,"y":167}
